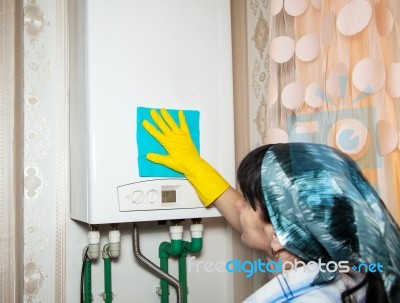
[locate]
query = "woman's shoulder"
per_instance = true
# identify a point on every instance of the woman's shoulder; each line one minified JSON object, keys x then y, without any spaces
{"x":298,"y":286}
{"x":331,"y":292}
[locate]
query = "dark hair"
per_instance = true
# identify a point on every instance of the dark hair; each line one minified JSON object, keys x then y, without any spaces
{"x":374,"y":292}
{"x":249,"y":179}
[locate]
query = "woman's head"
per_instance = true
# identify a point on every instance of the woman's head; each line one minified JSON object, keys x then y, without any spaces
{"x":249,"y":178}
{"x":320,"y":205}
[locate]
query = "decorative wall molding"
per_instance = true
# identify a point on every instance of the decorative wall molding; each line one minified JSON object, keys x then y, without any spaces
{"x":45,"y":168}
{"x":62,"y":149}
{"x":10,"y":153}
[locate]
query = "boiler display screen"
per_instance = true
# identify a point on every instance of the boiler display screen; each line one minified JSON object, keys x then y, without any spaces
{"x":168,"y":196}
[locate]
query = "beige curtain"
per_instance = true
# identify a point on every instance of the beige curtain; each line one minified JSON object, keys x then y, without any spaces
{"x":334,"y":79}
{"x":10,"y":152}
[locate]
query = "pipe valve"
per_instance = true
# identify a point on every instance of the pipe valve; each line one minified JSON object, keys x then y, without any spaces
{"x":94,"y":244}
{"x":114,"y":238}
{"x":196,"y":230}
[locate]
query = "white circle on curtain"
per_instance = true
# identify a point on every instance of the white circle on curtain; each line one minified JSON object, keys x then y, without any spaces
{"x":336,"y":83}
{"x":354,"y":17}
{"x":272,"y":96}
{"x":388,"y":139}
{"x":308,"y":47}
{"x":392,"y":80}
{"x":327,"y":29}
{"x":316,"y":4}
{"x":276,"y":135}
{"x":276,"y":7}
{"x":313,"y":97}
{"x":282,"y":49}
{"x":295,"y":7}
{"x":369,"y":75}
{"x":384,"y":19}
{"x":351,"y":137}
{"x":293,"y":95}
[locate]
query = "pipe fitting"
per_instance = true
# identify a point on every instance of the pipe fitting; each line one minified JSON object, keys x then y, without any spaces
{"x":196,"y":230}
{"x":167,"y":249}
{"x":196,"y":244}
{"x":114,"y":238}
{"x":176,"y":232}
{"x":94,"y":245}
{"x":196,"y":220}
{"x":106,"y":251}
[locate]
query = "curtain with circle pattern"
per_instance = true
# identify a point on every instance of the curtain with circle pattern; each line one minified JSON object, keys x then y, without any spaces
{"x":334,"y":78}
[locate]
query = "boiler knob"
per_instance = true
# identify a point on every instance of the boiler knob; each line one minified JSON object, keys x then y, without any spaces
{"x":137,"y":197}
{"x":152,"y":196}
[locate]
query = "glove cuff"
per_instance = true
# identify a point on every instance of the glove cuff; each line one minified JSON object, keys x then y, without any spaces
{"x":208,"y":183}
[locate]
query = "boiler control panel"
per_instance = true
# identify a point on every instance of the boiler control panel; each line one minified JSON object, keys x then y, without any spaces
{"x":157,"y":194}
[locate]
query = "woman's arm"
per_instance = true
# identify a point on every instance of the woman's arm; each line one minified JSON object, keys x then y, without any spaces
{"x":226,"y":204}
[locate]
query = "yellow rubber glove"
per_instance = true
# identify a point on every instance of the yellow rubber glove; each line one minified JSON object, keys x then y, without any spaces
{"x":183,"y":156}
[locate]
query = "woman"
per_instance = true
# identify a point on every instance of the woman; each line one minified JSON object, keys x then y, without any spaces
{"x":301,"y":202}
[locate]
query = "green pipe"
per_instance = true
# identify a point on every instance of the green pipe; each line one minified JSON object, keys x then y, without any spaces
{"x":183,"y":275}
{"x":88,"y":281}
{"x":171,"y":249}
{"x":177,"y":248}
{"x":163,"y":282}
{"x":194,"y":246}
{"x":107,"y":280}
{"x":107,"y":276}
{"x":166,"y":250}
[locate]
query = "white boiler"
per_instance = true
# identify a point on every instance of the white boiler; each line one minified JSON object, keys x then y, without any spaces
{"x":127,"y":56}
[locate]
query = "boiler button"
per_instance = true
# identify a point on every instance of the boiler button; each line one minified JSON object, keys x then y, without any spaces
{"x":137,"y":197}
{"x":152,"y":196}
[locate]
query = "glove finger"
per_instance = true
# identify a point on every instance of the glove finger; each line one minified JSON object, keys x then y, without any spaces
{"x":161,"y":159}
{"x":153,"y":131}
{"x":182,"y":122}
{"x":170,"y":121}
{"x":160,"y":122}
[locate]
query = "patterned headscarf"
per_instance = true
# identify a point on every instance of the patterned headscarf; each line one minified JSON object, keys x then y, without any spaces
{"x":322,"y":207}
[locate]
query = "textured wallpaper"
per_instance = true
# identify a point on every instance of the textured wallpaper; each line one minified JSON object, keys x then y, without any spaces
{"x":258,"y":40}
{"x":45,"y":151}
